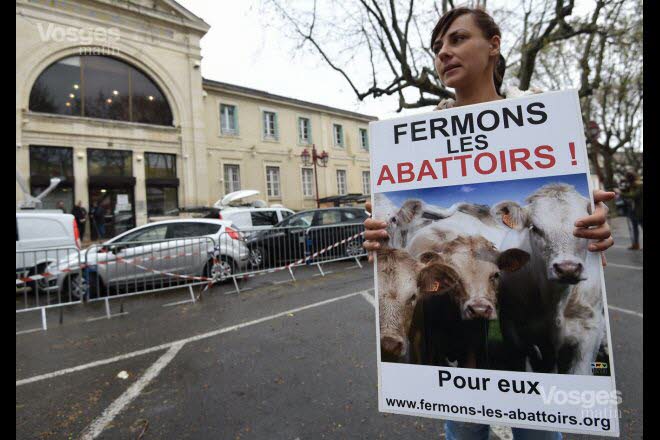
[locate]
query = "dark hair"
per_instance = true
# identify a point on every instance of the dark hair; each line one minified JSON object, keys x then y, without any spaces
{"x":487,"y":26}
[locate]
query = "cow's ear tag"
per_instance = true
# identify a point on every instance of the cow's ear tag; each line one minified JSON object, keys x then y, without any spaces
{"x":507,"y":220}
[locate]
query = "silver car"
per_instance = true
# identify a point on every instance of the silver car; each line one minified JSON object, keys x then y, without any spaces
{"x":157,"y":255}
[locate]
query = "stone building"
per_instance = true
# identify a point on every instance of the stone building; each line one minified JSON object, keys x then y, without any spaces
{"x":110,"y":97}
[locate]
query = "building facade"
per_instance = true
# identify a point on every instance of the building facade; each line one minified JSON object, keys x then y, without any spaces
{"x":110,"y":98}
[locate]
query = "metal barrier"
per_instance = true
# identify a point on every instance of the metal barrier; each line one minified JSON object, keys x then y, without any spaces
{"x":335,"y":242}
{"x":123,"y":269}
{"x":277,"y":249}
{"x":48,"y":278}
{"x":56,"y":277}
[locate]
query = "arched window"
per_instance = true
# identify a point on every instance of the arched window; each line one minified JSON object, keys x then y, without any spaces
{"x":99,"y":87}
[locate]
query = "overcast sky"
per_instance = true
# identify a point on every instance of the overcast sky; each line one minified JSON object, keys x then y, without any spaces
{"x":241,"y":49}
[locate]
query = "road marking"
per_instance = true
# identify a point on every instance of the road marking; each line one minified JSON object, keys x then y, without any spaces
{"x":106,"y":316}
{"x":282,"y":282}
{"x":95,"y":428}
{"x":182,"y":341}
{"x":370,"y":299}
{"x":625,"y":266}
{"x":630,"y":312}
{"x":22,"y":332}
{"x":178,"y":302}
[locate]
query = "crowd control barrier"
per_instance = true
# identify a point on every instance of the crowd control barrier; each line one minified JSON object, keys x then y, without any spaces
{"x":37,"y":274}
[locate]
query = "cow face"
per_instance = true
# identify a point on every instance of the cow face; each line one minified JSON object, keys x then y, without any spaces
{"x":401,"y":221}
{"x":549,"y":220}
{"x":476,"y":265}
{"x":401,"y":282}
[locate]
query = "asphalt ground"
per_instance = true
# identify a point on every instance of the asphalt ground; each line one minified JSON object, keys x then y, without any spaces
{"x":280,"y":360}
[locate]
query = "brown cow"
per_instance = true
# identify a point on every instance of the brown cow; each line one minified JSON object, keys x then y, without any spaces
{"x":474,"y":262}
{"x":402,"y":280}
{"x":456,"y":325}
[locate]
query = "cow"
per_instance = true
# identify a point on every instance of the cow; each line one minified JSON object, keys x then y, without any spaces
{"x":414,"y":215}
{"x":551,"y":311}
{"x":456,"y":324}
{"x":474,"y":262}
{"x":402,"y":281}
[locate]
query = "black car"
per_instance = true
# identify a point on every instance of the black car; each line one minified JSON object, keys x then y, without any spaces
{"x":306,"y":233}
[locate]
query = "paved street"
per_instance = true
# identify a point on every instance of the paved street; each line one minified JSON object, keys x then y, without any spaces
{"x":280,"y":360}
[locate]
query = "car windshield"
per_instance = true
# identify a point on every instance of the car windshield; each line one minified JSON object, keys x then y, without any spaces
{"x":303,"y":220}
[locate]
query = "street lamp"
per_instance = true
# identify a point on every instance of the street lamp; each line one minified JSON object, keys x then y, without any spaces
{"x":316,"y":159}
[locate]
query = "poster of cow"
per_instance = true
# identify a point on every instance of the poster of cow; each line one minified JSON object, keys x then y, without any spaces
{"x":489,"y":309}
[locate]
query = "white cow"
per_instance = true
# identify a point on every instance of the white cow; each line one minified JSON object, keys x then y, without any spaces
{"x":552,"y":308}
{"x":415,"y":215}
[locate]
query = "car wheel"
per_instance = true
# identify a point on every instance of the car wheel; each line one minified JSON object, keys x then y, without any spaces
{"x":257,"y":257}
{"x":75,"y":286}
{"x":219,"y":269}
{"x":354,"y":248}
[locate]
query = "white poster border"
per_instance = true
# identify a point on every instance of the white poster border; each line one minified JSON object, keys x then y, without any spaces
{"x":615,"y":431}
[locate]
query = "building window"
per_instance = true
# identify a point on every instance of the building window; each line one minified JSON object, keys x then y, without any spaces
{"x":273,"y":181}
{"x":304,"y":131}
{"x":48,"y":162}
{"x":270,"y":125}
{"x":364,"y":139}
{"x":161,"y":183}
{"x":366,"y":182}
{"x":99,"y":87}
{"x":232,"y":178}
{"x":228,"y":119}
{"x":109,"y":163}
{"x":159,"y":165}
{"x":341,"y":182}
{"x":338,"y":135}
{"x":162,"y":200}
{"x":308,"y":182}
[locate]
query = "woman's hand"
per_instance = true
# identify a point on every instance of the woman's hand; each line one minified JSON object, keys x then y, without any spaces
{"x":374,"y":234}
{"x":595,"y":227}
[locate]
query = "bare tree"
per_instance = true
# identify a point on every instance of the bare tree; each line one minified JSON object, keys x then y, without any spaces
{"x":612,"y":88}
{"x":394,"y":36}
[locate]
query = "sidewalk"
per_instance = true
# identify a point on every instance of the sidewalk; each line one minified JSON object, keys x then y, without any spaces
{"x":621,"y":232}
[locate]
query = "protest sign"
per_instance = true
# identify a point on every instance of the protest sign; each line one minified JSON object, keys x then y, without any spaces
{"x":490,"y":310}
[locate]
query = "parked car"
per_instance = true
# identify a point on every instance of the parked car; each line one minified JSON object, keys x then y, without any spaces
{"x":252,"y":217}
{"x":302,"y":234}
{"x":249,"y":220}
{"x":42,"y":237}
{"x":173,"y":246}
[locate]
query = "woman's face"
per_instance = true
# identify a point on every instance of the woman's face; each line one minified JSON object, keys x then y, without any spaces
{"x":463,"y":54}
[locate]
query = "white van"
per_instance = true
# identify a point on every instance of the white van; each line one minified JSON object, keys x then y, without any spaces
{"x":249,"y":219}
{"x":254,"y":217}
{"x":39,"y":230}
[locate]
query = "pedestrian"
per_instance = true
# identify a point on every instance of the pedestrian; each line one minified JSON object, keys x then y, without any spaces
{"x":60,"y":206}
{"x":93,"y":230}
{"x":80,"y":214}
{"x":99,"y":220}
{"x":633,"y":194}
{"x":466,"y":44}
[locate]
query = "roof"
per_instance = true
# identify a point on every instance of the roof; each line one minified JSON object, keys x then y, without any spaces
{"x":262,"y":94}
{"x":347,"y":198}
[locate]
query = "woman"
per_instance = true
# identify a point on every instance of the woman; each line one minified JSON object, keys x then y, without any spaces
{"x":466,"y":43}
